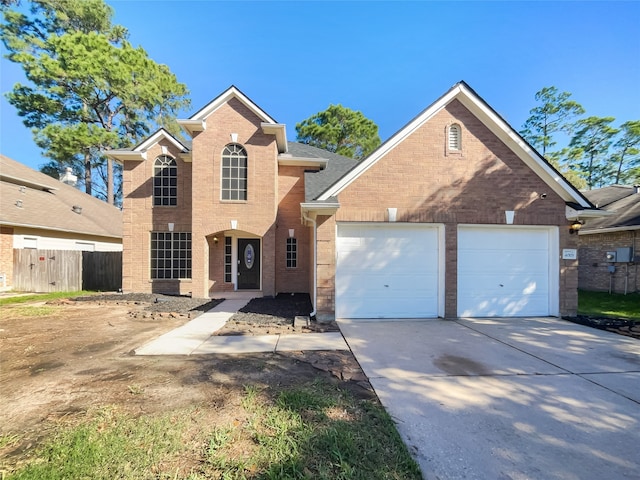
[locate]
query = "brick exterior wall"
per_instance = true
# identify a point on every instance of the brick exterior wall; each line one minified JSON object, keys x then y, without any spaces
{"x":290,"y":195}
{"x":141,"y":217}
{"x":6,"y":255}
{"x":429,"y":184}
{"x":593,"y":272}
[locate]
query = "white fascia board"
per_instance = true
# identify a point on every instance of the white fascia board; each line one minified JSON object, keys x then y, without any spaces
{"x":57,"y":229}
{"x":320,"y":208}
{"x":280,"y":131}
{"x":492,"y":121}
{"x":609,"y":230}
{"x":156,"y":137}
{"x":512,"y":140}
{"x":192,"y":126}
{"x":573,"y":214}
{"x":290,"y":161}
{"x":124,"y":155}
{"x":223,"y":98}
{"x":389,"y":145}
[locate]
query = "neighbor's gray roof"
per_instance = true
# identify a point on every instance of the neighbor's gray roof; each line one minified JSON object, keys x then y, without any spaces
{"x":623,"y":201}
{"x":48,"y":203}
{"x":317,"y":182}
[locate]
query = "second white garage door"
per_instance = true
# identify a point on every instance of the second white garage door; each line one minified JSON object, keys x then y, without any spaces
{"x":507,"y":271}
{"x":387,"y":271}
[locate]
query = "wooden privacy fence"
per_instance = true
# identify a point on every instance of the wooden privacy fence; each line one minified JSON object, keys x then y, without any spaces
{"x":66,"y":270}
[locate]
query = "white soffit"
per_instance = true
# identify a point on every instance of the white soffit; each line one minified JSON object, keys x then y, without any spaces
{"x":492,"y":121}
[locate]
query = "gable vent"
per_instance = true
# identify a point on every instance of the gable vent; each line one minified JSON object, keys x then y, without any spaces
{"x":454,"y":137}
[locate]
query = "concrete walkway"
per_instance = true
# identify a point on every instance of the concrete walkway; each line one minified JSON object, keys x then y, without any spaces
{"x":196,"y":337}
{"x":523,"y":398}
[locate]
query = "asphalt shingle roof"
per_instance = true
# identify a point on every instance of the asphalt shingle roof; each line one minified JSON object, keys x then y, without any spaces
{"x":48,"y":203}
{"x":317,"y":182}
{"x":623,"y":201}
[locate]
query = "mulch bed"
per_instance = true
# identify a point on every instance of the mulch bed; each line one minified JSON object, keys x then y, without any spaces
{"x":621,"y":326}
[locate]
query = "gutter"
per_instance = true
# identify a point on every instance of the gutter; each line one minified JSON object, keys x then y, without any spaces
{"x":315,"y":261}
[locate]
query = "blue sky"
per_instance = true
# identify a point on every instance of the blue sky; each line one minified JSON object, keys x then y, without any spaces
{"x":389,"y":60}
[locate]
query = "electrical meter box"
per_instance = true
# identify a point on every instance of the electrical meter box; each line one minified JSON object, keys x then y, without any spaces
{"x":611,"y":256}
{"x":624,"y":254}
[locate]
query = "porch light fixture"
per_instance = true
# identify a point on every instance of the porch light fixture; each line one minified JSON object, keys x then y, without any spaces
{"x":215,"y":240}
{"x":575,"y":227}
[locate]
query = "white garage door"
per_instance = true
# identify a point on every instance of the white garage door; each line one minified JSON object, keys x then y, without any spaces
{"x":387,"y":271}
{"x":506,"y":272}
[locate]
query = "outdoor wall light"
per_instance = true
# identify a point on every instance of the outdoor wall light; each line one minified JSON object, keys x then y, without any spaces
{"x":215,"y":240}
{"x":575,"y":227}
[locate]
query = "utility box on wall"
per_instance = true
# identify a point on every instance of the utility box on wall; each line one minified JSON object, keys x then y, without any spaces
{"x":624,"y":255}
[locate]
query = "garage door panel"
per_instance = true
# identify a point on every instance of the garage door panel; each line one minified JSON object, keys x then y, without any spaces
{"x":386,"y":271}
{"x":503,"y":272}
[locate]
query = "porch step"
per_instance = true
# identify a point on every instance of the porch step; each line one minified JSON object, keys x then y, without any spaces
{"x":239,"y":295}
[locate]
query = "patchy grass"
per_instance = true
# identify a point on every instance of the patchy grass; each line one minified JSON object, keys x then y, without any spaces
{"x":603,"y":304}
{"x":33,"y":311}
{"x":316,"y":430}
{"x":42,"y":297}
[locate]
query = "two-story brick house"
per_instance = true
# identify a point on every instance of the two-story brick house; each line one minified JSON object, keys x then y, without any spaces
{"x":454,"y":215}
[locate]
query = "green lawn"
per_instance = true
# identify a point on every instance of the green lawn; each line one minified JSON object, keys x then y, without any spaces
{"x":42,"y":297}
{"x":609,"y":305}
{"x":313,"y":431}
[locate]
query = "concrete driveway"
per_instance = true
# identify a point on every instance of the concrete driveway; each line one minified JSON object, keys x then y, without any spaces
{"x":509,"y":398}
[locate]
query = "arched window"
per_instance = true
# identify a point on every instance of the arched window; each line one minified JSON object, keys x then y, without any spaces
{"x":455,"y":137}
{"x":165,"y":181}
{"x":234,"y":173}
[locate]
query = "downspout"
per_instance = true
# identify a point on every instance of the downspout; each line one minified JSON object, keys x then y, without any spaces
{"x":315,"y":262}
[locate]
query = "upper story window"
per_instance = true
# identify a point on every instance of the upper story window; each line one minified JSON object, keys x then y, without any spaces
{"x":165,"y":181}
{"x":454,"y":138}
{"x":234,"y":173}
{"x":292,"y":253}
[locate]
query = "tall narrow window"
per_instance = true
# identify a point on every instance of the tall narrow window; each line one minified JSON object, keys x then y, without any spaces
{"x":455,"y":140}
{"x":170,"y":255}
{"x":292,"y":253}
{"x":227,"y":259}
{"x":234,"y":173}
{"x":165,"y":181}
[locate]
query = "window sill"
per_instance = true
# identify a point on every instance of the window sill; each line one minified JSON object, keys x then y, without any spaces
{"x":160,"y":280}
{"x":234,"y":201}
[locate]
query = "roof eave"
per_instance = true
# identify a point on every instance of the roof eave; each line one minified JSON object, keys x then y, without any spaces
{"x":55,"y":229}
{"x":573,"y":214}
{"x":609,"y":230}
{"x":126,"y":155}
{"x":192,"y":126}
{"x":280,"y":131}
{"x":291,"y":161}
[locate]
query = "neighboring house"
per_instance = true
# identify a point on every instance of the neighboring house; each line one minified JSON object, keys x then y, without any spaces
{"x":454,"y":215}
{"x":609,"y":247}
{"x":39,"y":212}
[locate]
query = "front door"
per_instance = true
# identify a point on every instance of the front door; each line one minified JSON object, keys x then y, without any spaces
{"x":249,"y":263}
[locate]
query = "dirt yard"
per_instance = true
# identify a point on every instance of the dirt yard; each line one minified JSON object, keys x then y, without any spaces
{"x":63,"y":358}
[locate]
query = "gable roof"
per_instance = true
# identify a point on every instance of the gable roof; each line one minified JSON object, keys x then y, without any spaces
{"x":622,"y":202}
{"x":198,"y":121}
{"x":32,"y":199}
{"x":494,"y":122}
{"x":334,"y":168}
{"x":139,"y":152}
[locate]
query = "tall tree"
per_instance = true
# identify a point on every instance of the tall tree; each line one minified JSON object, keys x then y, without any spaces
{"x":626,"y":155}
{"x":589,"y":149}
{"x":553,"y":115}
{"x":340,"y":130}
{"x":90,"y":88}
